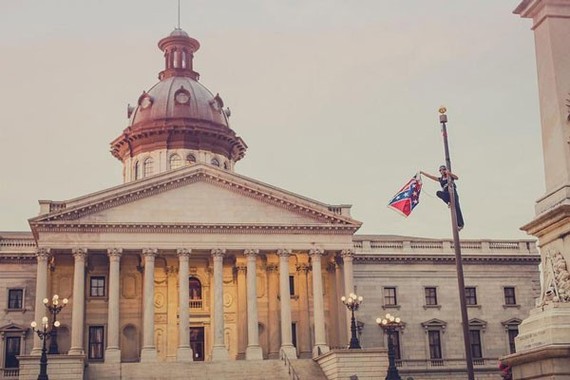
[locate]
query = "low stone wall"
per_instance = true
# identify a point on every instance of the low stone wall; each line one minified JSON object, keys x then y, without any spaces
{"x":366,"y":364}
{"x":60,"y":367}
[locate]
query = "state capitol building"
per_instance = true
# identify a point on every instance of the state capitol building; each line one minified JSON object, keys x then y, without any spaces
{"x":189,"y":261}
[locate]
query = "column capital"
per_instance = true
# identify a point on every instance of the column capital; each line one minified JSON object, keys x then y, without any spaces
{"x":283,"y":252}
{"x":114,"y":253}
{"x":218,"y":252}
{"x":347,"y":253}
{"x":183,"y":252}
{"x":79,"y":253}
{"x":250,"y":252}
{"x":150,"y":252}
{"x":316,"y":252}
{"x":42,"y":254}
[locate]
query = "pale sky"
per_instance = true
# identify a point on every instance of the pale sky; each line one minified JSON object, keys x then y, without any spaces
{"x":336,"y":99}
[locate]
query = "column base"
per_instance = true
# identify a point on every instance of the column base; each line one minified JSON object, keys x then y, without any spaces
{"x":75,"y":351}
{"x":320,"y":349}
{"x":112,"y":355}
{"x":149,"y":355}
{"x":220,"y":353}
{"x":184,"y":354}
{"x":289,"y":351}
{"x":253,"y":353}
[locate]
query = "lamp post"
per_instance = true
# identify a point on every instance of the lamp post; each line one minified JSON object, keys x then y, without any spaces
{"x":54,"y":309}
{"x":352,"y":302}
{"x":390,"y":324}
{"x":457,"y":248}
{"x":44,"y":334}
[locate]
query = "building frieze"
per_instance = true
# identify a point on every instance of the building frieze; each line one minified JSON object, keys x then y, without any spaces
{"x":195,"y":228}
{"x":445,"y":259}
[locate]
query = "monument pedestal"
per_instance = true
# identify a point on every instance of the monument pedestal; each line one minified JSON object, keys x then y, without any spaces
{"x":543,"y":344}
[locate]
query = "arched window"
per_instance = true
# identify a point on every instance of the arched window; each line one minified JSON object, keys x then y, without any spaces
{"x":195,"y":293}
{"x":148,"y":167}
{"x":136,"y":169}
{"x":190,"y":158}
{"x":215,"y":162}
{"x":175,"y":161}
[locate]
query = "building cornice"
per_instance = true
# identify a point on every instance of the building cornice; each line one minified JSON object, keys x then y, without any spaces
{"x":445,"y":259}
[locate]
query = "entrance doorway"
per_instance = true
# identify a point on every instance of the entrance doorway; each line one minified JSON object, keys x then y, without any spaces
{"x":197,"y":343}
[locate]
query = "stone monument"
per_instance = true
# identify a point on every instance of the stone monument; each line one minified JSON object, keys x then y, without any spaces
{"x":543,"y":343}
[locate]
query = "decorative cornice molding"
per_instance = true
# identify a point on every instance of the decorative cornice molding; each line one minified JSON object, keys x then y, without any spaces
{"x":327,"y":229}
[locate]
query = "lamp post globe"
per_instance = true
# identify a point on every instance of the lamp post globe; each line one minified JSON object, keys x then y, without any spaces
{"x":390,"y":324}
{"x":352,"y":302}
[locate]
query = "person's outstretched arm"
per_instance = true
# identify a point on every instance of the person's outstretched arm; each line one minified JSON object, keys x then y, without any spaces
{"x":432,"y":177}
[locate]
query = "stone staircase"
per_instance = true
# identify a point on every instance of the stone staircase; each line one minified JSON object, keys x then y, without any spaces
{"x":306,"y":369}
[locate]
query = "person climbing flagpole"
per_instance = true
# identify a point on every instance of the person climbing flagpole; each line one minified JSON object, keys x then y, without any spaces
{"x":457,"y":246}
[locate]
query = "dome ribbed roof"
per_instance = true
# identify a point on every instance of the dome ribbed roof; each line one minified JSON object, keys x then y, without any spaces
{"x":178,"y":112}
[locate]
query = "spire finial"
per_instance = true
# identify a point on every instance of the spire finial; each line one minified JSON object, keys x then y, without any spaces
{"x":178,"y":14}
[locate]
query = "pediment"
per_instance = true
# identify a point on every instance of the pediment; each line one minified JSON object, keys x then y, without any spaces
{"x":512,"y":322}
{"x":196,"y":196}
{"x":434,"y":323}
{"x":13,"y":328}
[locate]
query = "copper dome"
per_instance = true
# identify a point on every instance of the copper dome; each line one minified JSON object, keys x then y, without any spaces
{"x":178,"y":112}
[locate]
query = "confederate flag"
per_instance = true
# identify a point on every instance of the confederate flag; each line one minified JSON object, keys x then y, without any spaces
{"x":408,"y":197}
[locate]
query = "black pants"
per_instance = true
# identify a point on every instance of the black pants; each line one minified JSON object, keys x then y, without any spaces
{"x":444,"y":196}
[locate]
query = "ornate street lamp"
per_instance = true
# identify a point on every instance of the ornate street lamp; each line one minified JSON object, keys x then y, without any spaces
{"x":390,"y":324}
{"x":352,"y":302}
{"x":44,"y":334}
{"x":54,"y":309}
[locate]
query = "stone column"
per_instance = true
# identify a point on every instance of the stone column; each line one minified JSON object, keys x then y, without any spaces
{"x":287,"y":347}
{"x":78,"y":302}
{"x":42,"y":255}
{"x":113,"y":352}
{"x":343,"y":323}
{"x":253,"y":350}
{"x":241,"y":269}
{"x":332,"y":300}
{"x":184,"y":353}
{"x":303,"y":328}
{"x":148,"y":352}
{"x":320,"y":346}
{"x":347,"y":257}
{"x":273,"y":315}
{"x":219,"y":350}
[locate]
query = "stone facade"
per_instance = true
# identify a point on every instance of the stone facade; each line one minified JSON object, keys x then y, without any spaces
{"x":407,"y":264}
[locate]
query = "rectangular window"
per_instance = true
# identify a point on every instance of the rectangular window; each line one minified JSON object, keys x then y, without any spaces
{"x":291,"y":285}
{"x":97,"y":288}
{"x":96,"y":342}
{"x":15,"y":299}
{"x":12,"y":352}
{"x":476,"y":349}
{"x":390,"y":297}
{"x":470,"y":296}
{"x":513,"y":332}
{"x":431,"y":296}
{"x":434,"y":344}
{"x":510,"y":296}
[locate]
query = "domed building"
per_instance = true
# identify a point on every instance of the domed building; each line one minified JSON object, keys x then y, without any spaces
{"x":189,"y":261}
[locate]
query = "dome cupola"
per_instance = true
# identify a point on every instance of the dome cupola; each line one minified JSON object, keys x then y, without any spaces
{"x":177,"y":121}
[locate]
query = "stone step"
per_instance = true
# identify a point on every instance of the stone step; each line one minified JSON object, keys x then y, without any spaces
{"x":235,"y":369}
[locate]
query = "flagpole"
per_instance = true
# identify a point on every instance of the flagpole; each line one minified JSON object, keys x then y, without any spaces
{"x":457,"y":246}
